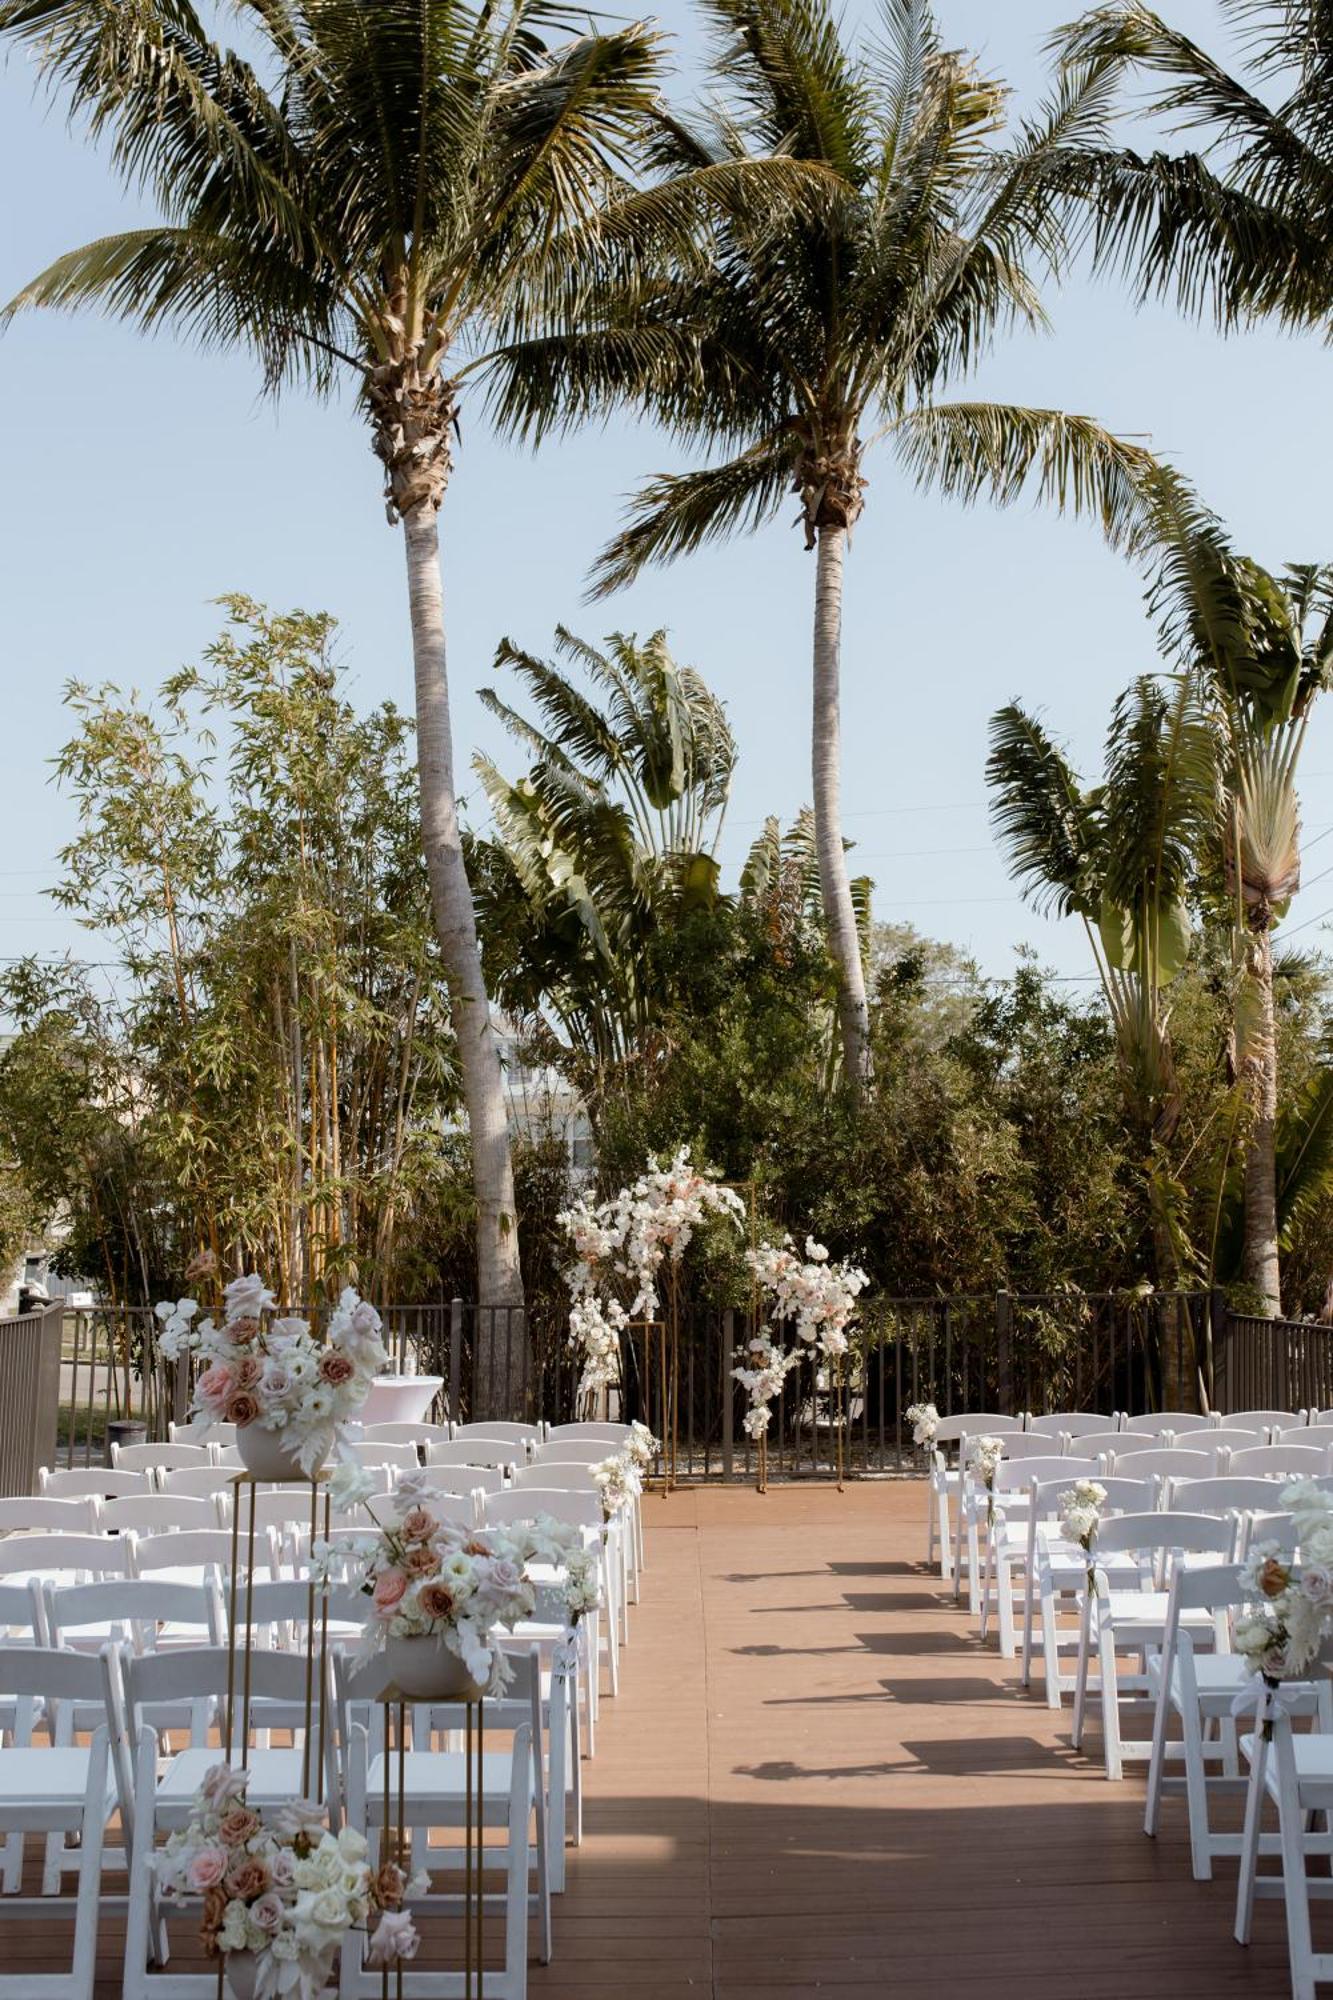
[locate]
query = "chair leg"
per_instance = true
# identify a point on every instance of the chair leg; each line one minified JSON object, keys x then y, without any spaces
{"x":1196,"y":1799}
{"x":930,"y":1523}
{"x":987,"y":1585}
{"x":1115,"y":1768}
{"x":946,"y":1535}
{"x":1004,"y":1586}
{"x":516,"y":1882}
{"x":1050,"y":1645}
{"x":84,"y":1970}
{"x":1152,"y":1805}
{"x":1295,"y":1889}
{"x":1249,"y":1842}
{"x":139,"y":1916}
{"x":1081,"y":1672}
{"x":543,"y":1856}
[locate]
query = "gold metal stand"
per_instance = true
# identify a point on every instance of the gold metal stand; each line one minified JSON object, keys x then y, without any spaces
{"x":660,"y":1419}
{"x":395,"y":1848}
{"x":240,"y":1635}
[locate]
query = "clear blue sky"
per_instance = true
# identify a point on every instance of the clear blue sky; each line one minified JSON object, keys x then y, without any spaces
{"x":141,"y":480}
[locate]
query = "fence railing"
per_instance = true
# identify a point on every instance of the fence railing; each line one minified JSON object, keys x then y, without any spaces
{"x":30,"y":1372}
{"x":1006,"y":1352}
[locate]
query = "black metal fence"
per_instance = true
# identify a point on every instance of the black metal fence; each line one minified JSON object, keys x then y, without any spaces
{"x":1005,"y":1351}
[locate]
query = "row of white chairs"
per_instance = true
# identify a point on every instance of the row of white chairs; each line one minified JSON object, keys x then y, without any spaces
{"x":165,"y":1593}
{"x":1161,"y":1594}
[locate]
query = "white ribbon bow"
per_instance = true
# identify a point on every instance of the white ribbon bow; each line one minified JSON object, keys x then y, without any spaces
{"x":1265,"y":1702}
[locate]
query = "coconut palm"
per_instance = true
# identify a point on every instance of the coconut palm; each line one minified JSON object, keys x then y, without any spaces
{"x":608,"y":840}
{"x":1123,"y":857}
{"x":1239,"y":226}
{"x":364,"y":201}
{"x":1261,"y":647}
{"x":824,"y":321}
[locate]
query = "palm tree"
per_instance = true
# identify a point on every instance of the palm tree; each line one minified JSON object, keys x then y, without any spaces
{"x":374,"y":193}
{"x":827,"y":318}
{"x":1261,"y":648}
{"x":1123,"y":857}
{"x":1240,"y":226}
{"x":608,"y":841}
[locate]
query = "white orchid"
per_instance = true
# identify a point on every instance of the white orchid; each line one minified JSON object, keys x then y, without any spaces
{"x":818,"y":1296}
{"x":925,"y":1421}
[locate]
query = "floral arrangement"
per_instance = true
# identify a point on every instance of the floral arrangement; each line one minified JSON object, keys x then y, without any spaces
{"x":619,"y":1482}
{"x":1291,"y":1612}
{"x":272,"y":1371}
{"x":1081,"y":1516}
{"x":431,"y":1578}
{"x":925,"y":1421}
{"x":642,"y":1447}
{"x":819,"y":1296}
{"x":287,"y":1891}
{"x":624,"y":1241}
{"x":984,"y":1455}
{"x":762,"y":1368}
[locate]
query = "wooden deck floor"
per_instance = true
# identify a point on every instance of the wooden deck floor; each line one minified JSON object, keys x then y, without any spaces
{"x":817,"y":1782}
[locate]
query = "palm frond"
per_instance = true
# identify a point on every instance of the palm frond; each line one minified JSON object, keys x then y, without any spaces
{"x":680,"y":512}
{"x":1046,"y":827}
{"x":999,"y":450}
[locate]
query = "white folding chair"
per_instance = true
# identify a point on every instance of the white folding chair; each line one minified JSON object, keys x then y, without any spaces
{"x":1073,"y":1424}
{"x":973,"y":1506}
{"x":593,"y":1430}
{"x":560,"y":1670}
{"x":161,"y":1457}
{"x":1057,"y":1572}
{"x":163,"y":1513}
{"x":1155,"y":1423}
{"x":575,"y":1477}
{"x":1280,"y":1461}
{"x":1118,"y":1621}
{"x":435,"y":1794}
{"x":56,"y":1790}
{"x":1295,"y":1772}
{"x":1234,"y":1439}
{"x":85,"y":1556}
{"x":1319,"y":1436}
{"x":579,"y":1510}
{"x":158,"y":1798}
{"x":574,"y":1451}
{"x":1007,"y":1540}
{"x":1223,"y":1494}
{"x":1167,"y":1461}
{"x":103,"y":1482}
{"x":946,"y":1480}
{"x":399,"y":1453}
{"x":514,"y":1433}
{"x":29,"y":1512}
{"x":144,"y":1613}
{"x":401,"y":1432}
{"x":462,"y":1480}
{"x":1202,"y":1689}
{"x":477,"y":1451}
{"x":1274,"y":1421}
{"x":200,"y":1482}
{"x":196,"y":1431}
{"x":187,"y":1555}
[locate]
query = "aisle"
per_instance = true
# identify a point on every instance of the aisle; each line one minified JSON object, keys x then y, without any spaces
{"x":816,"y":1781}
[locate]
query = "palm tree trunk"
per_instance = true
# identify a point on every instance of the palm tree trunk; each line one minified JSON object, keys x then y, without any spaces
{"x":1261,"y":1266}
{"x":499,"y":1278}
{"x":835,"y":884}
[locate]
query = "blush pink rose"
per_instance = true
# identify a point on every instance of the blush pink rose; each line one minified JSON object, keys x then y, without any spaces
{"x":267,"y":1912}
{"x":336,"y":1368}
{"x":390,"y":1585}
{"x":419,"y":1525}
{"x":247,"y":1371}
{"x":207,"y":1868}
{"x":215,"y":1384}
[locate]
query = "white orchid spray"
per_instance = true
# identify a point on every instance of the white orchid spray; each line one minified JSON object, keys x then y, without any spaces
{"x":925,"y":1421}
{"x":623,"y":1243}
{"x":643,"y":1448}
{"x":762,"y":1368}
{"x":817,"y":1296}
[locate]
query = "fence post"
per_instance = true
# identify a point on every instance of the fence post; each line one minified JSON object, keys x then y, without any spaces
{"x":1219,"y":1344}
{"x":1004,"y":1370}
{"x":728,"y":1399}
{"x":456,"y":1359}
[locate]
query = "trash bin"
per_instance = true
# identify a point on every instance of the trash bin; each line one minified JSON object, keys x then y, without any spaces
{"x":125,"y":1430}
